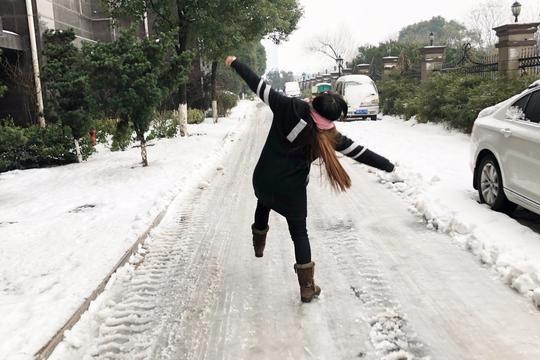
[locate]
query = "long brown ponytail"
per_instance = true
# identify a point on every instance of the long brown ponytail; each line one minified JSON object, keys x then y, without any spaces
{"x":324,"y":149}
{"x":332,"y":106}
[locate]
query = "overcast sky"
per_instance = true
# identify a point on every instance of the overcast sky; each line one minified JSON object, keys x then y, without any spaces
{"x":366,"y":21}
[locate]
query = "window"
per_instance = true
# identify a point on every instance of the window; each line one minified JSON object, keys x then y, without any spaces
{"x":517,"y":110}
{"x":532,"y":111}
{"x":522,"y":103}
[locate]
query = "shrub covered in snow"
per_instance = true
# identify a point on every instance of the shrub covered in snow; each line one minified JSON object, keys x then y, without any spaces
{"x":32,"y":147}
{"x":164,"y":125}
{"x":195,"y":116}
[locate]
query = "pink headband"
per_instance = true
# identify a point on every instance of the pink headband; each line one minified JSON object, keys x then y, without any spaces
{"x":321,"y":122}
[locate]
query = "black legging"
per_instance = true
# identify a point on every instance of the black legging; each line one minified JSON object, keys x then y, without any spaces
{"x":297,"y":229}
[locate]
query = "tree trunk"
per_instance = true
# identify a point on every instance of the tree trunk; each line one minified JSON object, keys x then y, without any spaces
{"x":78,"y":150}
{"x":213,"y":79}
{"x":215,"y":111}
{"x":182,"y":114}
{"x":183,"y":33}
{"x":144,"y":155}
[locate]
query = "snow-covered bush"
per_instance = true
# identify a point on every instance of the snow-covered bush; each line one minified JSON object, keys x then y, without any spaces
{"x":398,"y":95}
{"x":195,"y":116}
{"x":33,"y":147}
{"x":164,"y":125}
{"x":114,"y":133}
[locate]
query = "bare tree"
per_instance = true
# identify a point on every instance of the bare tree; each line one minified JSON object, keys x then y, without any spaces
{"x":484,"y":17}
{"x":334,"y":45}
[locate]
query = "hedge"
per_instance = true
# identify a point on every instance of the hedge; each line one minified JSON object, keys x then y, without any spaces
{"x":451,"y":98}
{"x":32,"y":147}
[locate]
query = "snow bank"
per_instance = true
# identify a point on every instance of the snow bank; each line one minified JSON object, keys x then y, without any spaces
{"x":63,"y":229}
{"x":434,"y":176}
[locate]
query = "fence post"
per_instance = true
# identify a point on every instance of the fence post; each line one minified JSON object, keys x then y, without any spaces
{"x":389,"y":64}
{"x":363,"y":69}
{"x":432,"y":60}
{"x":513,"y":39}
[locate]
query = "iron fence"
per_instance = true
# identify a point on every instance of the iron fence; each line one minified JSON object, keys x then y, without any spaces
{"x":470,"y":64}
{"x":529,"y":61}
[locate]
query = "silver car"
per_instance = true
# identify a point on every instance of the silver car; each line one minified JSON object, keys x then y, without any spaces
{"x":506,"y":152}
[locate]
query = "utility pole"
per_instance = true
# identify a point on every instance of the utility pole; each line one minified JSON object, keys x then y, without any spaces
{"x":35,"y":62}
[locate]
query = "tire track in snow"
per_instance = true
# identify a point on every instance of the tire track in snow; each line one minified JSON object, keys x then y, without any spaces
{"x":390,"y":335}
{"x":136,"y":300}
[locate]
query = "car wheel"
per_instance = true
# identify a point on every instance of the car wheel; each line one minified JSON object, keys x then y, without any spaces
{"x":373,"y":117}
{"x":490,"y":185}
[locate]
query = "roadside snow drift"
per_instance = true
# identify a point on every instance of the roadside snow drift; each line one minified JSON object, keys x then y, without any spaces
{"x":434,"y":176}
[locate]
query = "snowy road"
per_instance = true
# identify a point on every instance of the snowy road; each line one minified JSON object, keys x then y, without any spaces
{"x":390,"y":286}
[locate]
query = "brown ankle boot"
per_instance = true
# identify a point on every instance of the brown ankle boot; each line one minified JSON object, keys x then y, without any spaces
{"x":259,"y":240}
{"x":308,"y":289}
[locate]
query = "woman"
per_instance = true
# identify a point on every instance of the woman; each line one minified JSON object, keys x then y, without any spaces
{"x":300,"y":133}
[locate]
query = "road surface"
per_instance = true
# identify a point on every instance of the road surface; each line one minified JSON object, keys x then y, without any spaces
{"x":391,"y":289}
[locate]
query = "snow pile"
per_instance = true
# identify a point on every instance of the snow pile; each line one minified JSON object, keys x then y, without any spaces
{"x":388,"y":337}
{"x":63,"y":229}
{"x":435,"y":177}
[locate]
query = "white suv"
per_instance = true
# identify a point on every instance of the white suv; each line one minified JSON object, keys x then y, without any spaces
{"x":506,"y":152}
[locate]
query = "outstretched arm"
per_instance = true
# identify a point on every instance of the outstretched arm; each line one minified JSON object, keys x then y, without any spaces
{"x":272,"y":98}
{"x":362,"y":154}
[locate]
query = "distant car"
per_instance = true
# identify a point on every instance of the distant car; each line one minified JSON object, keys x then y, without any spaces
{"x":361,"y":95}
{"x":505,"y":147}
{"x":292,"y":89}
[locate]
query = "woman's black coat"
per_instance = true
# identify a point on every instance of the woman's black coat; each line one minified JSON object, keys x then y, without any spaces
{"x":282,"y":172}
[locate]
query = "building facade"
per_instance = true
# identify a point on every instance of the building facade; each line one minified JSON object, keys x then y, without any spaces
{"x":89,"y":21}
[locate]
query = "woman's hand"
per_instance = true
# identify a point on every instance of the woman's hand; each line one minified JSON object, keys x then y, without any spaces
{"x":230,"y":60}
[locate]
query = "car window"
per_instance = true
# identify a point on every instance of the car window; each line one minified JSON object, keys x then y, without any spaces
{"x":532,"y":111}
{"x":517,"y":110}
{"x":522,"y":103}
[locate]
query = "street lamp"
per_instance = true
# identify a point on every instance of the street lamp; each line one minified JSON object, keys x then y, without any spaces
{"x":431,"y":38}
{"x":339,"y":62}
{"x":303,"y":81}
{"x":516,"y":9}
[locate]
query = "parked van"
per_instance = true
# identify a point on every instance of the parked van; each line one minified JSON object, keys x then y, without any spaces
{"x":292,"y":89}
{"x":361,"y":95}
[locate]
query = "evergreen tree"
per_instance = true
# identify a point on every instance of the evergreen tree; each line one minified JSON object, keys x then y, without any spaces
{"x":131,"y":77}
{"x":252,"y":54}
{"x":449,"y":33}
{"x":215,"y":26}
{"x":68,"y":99}
{"x":229,"y":24}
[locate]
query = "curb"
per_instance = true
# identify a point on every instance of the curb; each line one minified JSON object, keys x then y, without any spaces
{"x":49,"y":347}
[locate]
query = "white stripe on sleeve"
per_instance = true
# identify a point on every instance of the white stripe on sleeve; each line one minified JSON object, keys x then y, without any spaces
{"x":259,"y":88}
{"x":266,"y":94}
{"x":360,"y":153}
{"x":296,"y":131}
{"x":349,"y":149}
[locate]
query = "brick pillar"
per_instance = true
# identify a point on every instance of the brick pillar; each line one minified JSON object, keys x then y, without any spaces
{"x":432,"y":60}
{"x":363,"y":69}
{"x":389,"y":64}
{"x":513,"y":38}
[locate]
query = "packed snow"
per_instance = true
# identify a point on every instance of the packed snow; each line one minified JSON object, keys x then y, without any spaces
{"x":434,"y":175}
{"x":63,"y":229}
